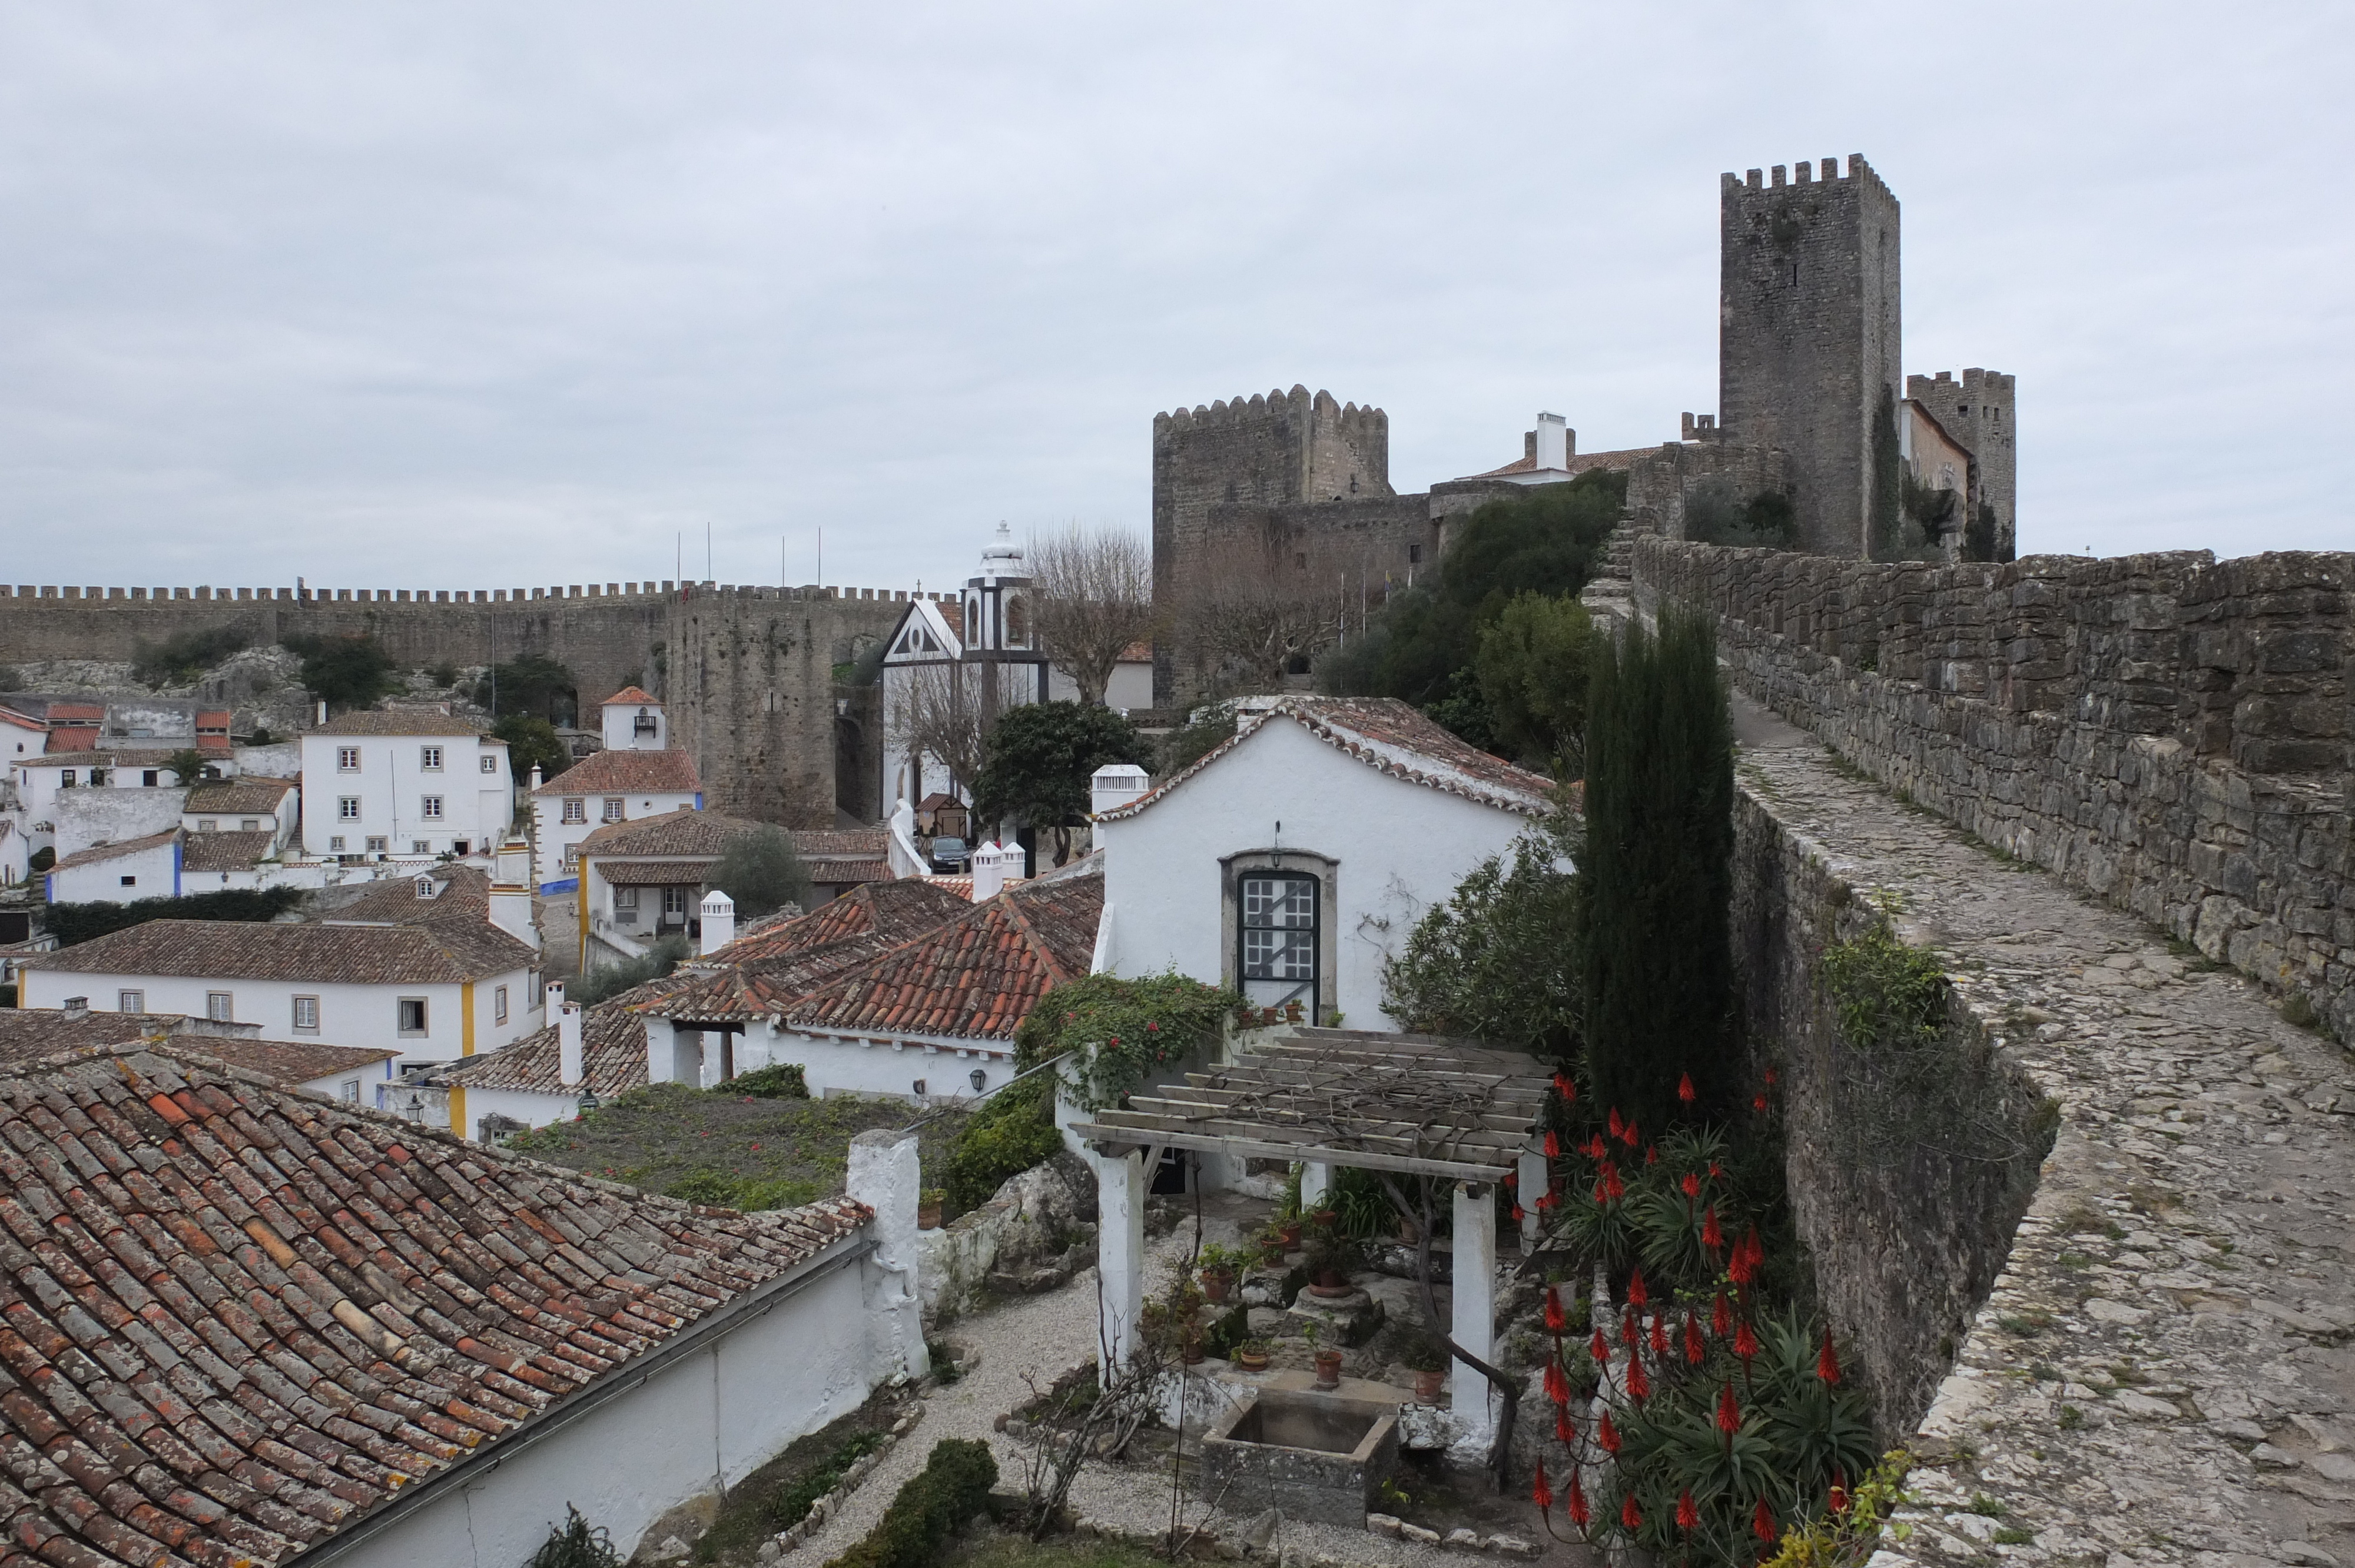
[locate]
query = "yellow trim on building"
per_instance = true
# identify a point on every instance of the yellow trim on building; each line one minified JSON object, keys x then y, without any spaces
{"x":466,"y":1018}
{"x":580,"y":900}
{"x":458,"y":1109}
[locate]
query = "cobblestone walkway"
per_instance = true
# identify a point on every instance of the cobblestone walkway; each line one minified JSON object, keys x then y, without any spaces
{"x":2164,"y":1371}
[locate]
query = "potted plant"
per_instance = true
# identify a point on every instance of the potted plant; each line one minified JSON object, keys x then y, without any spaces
{"x":1190,"y":1344}
{"x":1329,"y":1362}
{"x":1272,"y":1246}
{"x":1218,"y":1264}
{"x":928,"y":1208}
{"x":1251,"y":1355}
{"x":1427,"y":1359}
{"x":1329,"y":1261}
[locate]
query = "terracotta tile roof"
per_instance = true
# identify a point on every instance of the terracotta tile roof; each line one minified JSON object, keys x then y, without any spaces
{"x":97,"y":853}
{"x":463,"y":899}
{"x":287,"y":1061}
{"x":226,"y":852}
{"x":631,"y":694}
{"x":841,"y":844}
{"x":838,"y":872}
{"x":30,"y":1033}
{"x":975,"y":978}
{"x":77,"y":713}
{"x":248,"y":949}
{"x":1387,"y":735}
{"x":770,"y":988}
{"x":612,"y":1051}
{"x":71,"y":741}
{"x":23,"y":721}
{"x":656,"y":872}
{"x":227,"y":797}
{"x":403,"y":721}
{"x":898,"y":911}
{"x":960,"y":885}
{"x":625,"y":773}
{"x":1578,"y":463}
{"x":242,"y":1319}
{"x":686,"y":831}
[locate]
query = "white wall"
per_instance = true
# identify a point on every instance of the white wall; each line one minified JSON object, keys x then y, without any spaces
{"x":704,"y":1421}
{"x":1399,"y":847}
{"x":84,"y":817}
{"x":280,"y":821}
{"x":619,"y":723}
{"x":366,"y":1015}
{"x":554,"y":836}
{"x":367,"y":1077}
{"x":392,"y":781}
{"x":833,"y":1065}
{"x":155,"y":873}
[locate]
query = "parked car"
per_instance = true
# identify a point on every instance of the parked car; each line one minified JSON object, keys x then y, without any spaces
{"x":950,"y":854}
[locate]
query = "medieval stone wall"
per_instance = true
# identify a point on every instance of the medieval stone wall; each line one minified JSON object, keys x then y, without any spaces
{"x":2171,"y":733}
{"x":1980,"y":411}
{"x":1808,"y":334}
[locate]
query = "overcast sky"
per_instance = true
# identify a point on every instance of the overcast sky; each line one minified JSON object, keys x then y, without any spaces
{"x":468,"y":295}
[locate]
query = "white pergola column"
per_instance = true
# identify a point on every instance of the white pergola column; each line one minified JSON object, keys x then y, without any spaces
{"x":1533,"y":1177}
{"x":1475,"y":1323}
{"x":1120,"y":1258}
{"x":1316,"y":1180}
{"x":885,"y":1175}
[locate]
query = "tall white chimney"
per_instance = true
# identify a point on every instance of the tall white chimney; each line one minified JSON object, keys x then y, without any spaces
{"x":510,"y":897}
{"x":1117,"y":784}
{"x":718,"y":920}
{"x":570,"y":1069}
{"x":989,"y":866}
{"x":1553,"y":441}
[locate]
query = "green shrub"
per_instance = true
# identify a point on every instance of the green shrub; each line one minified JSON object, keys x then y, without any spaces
{"x":180,"y":660}
{"x":1120,"y":1029}
{"x":1013,"y":1130}
{"x":1500,"y":960}
{"x":73,"y":923}
{"x":761,"y":872}
{"x":777,"y":1081}
{"x":715,"y":1187}
{"x":791,"y":1506}
{"x":1885,"y":994}
{"x":346,"y":671}
{"x":574,"y":1544}
{"x":608,"y":981}
{"x":951,"y":1490}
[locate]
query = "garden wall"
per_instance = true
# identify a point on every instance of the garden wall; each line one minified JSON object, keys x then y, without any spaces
{"x":1909,"y":1168}
{"x":2173,"y":734}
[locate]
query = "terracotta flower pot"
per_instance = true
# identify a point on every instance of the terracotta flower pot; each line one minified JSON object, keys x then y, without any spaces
{"x":1330,"y":1284}
{"x":1251,"y":1361}
{"x":1192,"y":1351}
{"x":928,"y":1216}
{"x":1291,"y":1232}
{"x":1328,"y":1369}
{"x":1215,"y":1283}
{"x":1427,"y":1384}
{"x":1326,"y":1219}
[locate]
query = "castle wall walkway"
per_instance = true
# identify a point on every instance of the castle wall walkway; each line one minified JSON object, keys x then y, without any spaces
{"x":2162,"y":1371}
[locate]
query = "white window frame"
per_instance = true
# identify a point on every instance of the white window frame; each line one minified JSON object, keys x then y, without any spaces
{"x":490,"y":765}
{"x":347,"y":760}
{"x":499,"y":1004}
{"x":376,"y":844}
{"x":347,"y":807}
{"x":576,"y":810}
{"x":129,"y":1001}
{"x":614,"y":808}
{"x":428,"y":808}
{"x":349,"y":1090}
{"x":306,"y":1007}
{"x":207,"y":824}
{"x":335,"y":843}
{"x":401,"y":1018}
{"x":220,"y":1006}
{"x":429,"y":759}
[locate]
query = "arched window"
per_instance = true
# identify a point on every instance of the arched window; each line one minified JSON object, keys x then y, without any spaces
{"x":1017,"y":621}
{"x":972,"y":623}
{"x":1278,"y":933}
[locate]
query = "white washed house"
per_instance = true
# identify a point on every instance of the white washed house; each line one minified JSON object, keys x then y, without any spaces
{"x":120,"y":873}
{"x":404,"y":782}
{"x":1292,"y":860}
{"x":429,"y":992}
{"x":636,"y":776}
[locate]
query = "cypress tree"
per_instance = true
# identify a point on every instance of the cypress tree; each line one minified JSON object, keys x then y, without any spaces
{"x":1659,"y":875}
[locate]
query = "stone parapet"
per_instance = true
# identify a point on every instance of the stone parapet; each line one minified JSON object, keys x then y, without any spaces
{"x":2169,"y":732}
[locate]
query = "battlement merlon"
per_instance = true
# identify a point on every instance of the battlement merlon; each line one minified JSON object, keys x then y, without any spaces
{"x":1803,"y":174}
{"x":1354,"y":417}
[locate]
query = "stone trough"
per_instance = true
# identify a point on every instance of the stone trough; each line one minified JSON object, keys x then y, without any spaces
{"x":1320,"y":1458}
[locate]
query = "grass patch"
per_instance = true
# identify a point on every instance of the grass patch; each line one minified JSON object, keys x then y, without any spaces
{"x":995,"y":1549}
{"x":2026,"y":1326}
{"x":713,"y":1146}
{"x":780,"y":1492}
{"x":2072,"y":1418}
{"x":1985,"y":1506}
{"x":2015,"y":1535}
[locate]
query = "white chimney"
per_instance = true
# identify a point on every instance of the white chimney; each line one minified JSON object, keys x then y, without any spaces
{"x":1553,"y":441}
{"x":1114,"y":785}
{"x":989,"y":867}
{"x":510,"y":897}
{"x":322,"y":710}
{"x":718,"y":920}
{"x":569,"y":1068}
{"x":535,"y":779}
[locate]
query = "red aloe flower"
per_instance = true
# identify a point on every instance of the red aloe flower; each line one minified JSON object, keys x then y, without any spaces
{"x":1565,"y":1087}
{"x":1694,"y":1350}
{"x":1611,"y":1179}
{"x":1770,"y":1078}
{"x":1549,"y":1200}
{"x":1688,"y":1515}
{"x":1557,"y":1387}
{"x":1579,"y":1512}
{"x":1729,"y":1413}
{"x":1761,"y":1523}
{"x":1636,"y":1294}
{"x":1512,"y":1178}
{"x":1711,"y":1237}
{"x":1685,"y":1090}
{"x":1542,"y":1494}
{"x":1601,"y":1349}
{"x":1629,"y":1514}
{"x":1758,"y":1102}
{"x":1652,"y":1155}
{"x":1607,"y":1435}
{"x":1639,"y":1382}
{"x":1562,"y":1430}
{"x":1839,"y":1491}
{"x":1720,"y":1318}
{"x":1553,"y":1144}
{"x":1556,"y":1320}
{"x":1691,"y":1184}
{"x":1660,"y":1335}
{"x":1631,"y":1136}
{"x":1517,"y":1213}
{"x":1629,"y":1334}
{"x":1745,"y":1343}
{"x":1827,"y":1364}
{"x":1595,"y":1147}
{"x":1716,"y":1171}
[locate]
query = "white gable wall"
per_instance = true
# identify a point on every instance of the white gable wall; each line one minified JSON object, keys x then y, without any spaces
{"x":1397,"y":848}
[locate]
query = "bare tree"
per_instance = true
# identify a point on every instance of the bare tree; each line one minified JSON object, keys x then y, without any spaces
{"x":1091,"y":595}
{"x":1256,"y":610}
{"x":947,"y":715}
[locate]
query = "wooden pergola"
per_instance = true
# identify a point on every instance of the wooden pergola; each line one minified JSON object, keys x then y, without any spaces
{"x":1410,"y":1105}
